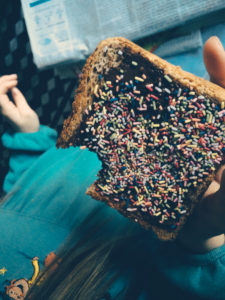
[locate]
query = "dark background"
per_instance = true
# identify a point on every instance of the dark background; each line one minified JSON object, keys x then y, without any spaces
{"x":46,"y":92}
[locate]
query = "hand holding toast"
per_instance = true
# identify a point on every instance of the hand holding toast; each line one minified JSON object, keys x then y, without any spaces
{"x":205,"y":229}
{"x":165,"y":128}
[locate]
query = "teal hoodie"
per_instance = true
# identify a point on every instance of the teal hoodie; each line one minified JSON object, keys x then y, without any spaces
{"x":46,"y":200}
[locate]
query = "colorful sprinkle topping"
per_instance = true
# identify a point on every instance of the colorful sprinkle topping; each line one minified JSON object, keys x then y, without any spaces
{"x":156,"y":139}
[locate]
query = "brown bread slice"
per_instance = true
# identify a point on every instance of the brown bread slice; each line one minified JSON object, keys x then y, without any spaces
{"x":158,"y":131}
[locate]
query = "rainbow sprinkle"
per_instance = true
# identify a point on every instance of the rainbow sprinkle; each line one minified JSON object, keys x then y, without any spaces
{"x":155,"y":138}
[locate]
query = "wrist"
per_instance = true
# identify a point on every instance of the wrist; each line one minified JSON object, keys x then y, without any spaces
{"x":197,"y":244}
{"x":32,"y":128}
{"x":29,"y":124}
{"x":199,"y":235}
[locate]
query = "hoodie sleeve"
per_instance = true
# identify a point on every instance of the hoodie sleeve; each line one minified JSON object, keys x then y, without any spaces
{"x":25,"y":148}
{"x":199,"y":274}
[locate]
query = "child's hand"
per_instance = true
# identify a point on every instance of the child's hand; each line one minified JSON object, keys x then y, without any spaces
{"x":205,"y":229}
{"x":18,"y":113}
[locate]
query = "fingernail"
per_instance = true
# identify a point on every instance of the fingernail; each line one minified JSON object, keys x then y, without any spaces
{"x":14,"y":89}
{"x":218,"y":41}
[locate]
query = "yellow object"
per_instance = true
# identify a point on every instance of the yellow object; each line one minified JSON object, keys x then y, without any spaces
{"x":36,"y":270}
{"x":2,"y":271}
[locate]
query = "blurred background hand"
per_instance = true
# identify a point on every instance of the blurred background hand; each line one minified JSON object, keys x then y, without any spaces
{"x":17,"y":112}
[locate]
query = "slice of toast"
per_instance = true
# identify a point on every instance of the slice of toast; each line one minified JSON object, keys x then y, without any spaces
{"x":158,"y":130}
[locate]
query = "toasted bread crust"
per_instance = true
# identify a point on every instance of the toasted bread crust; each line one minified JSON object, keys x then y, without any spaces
{"x":163,"y":234}
{"x":101,"y":61}
{"x":89,"y":78}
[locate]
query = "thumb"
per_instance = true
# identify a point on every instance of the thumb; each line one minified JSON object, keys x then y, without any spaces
{"x":214,"y":59}
{"x":7,"y":107}
{"x":19,"y":99}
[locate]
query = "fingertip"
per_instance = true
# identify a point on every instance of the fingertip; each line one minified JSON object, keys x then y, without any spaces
{"x":212,"y":49}
{"x":8,"y":77}
{"x":18,"y":97}
{"x":214,"y":59}
{"x":213,"y":40}
{"x":14,"y":90}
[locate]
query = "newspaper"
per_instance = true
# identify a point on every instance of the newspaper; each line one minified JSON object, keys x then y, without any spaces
{"x":64,"y":31}
{"x":180,"y":44}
